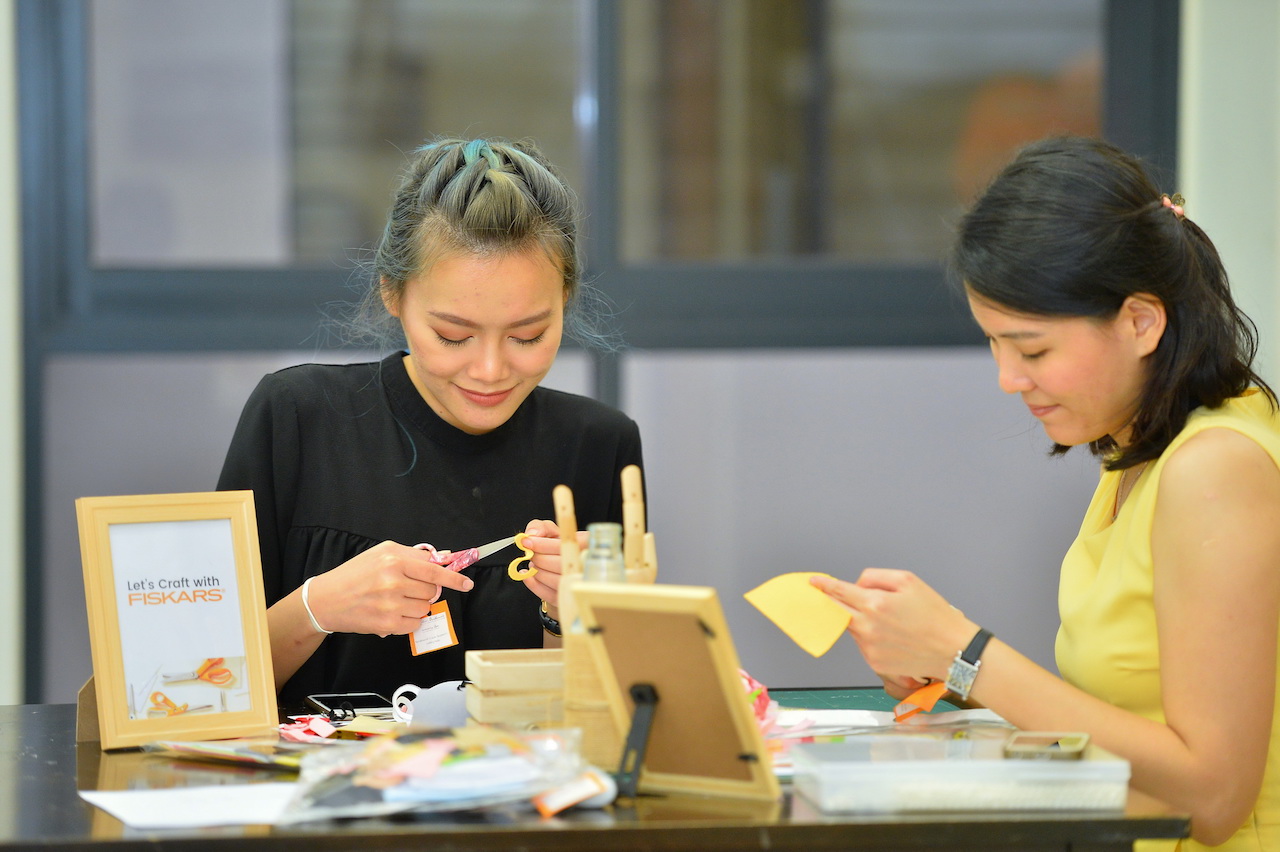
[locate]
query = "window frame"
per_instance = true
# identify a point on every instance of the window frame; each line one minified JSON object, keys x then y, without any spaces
{"x":70,"y":307}
{"x":789,"y":302}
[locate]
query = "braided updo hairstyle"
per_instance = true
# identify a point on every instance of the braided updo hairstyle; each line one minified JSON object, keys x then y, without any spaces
{"x":482,"y":197}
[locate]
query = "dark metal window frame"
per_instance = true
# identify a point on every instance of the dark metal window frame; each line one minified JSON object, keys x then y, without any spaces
{"x":796,"y":302}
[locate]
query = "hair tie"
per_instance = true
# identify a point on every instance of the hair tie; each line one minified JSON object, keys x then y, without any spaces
{"x":1176,"y":203}
{"x":477,"y":148}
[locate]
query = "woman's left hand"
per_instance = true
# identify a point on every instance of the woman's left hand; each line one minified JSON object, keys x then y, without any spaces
{"x":543,"y":538}
{"x":901,"y":686}
{"x":906,"y":631}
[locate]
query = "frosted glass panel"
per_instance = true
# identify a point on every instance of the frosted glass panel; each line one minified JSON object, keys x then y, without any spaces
{"x":272,"y":133}
{"x":848,"y":128}
{"x":759,"y":463}
{"x":189,"y":133}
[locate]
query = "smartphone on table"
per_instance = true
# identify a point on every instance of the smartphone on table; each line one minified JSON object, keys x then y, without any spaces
{"x":1046,"y":745}
{"x":339,"y":705}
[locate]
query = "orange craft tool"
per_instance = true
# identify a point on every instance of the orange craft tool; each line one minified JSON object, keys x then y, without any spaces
{"x":211,"y":671}
{"x":922,"y":700}
{"x":162,"y":705}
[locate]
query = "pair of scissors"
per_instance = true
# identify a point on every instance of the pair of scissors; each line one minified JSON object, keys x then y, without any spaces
{"x":162,"y":705}
{"x":460,"y":559}
{"x":211,"y":671}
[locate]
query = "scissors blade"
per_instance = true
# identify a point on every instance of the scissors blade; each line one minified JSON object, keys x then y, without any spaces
{"x":493,"y":547}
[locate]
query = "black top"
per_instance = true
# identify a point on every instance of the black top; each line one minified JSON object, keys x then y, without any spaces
{"x":340,"y":458}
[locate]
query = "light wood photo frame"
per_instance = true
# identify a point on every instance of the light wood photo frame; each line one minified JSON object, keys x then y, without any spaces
{"x":177,"y":617}
{"x":704,"y":738}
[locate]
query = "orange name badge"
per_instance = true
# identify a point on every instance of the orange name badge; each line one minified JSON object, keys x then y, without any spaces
{"x":435,"y":632}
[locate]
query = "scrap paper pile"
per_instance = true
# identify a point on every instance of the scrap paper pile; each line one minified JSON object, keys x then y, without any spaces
{"x":271,"y":752}
{"x":446,"y":769}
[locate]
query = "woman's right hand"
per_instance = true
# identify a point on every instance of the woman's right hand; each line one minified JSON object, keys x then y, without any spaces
{"x":905,"y":630}
{"x":385,"y":590}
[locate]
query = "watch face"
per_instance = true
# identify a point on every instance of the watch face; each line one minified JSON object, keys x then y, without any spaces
{"x":961,"y":677}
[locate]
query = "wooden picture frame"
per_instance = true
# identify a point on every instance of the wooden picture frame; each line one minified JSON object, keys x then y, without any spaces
{"x":704,"y":737}
{"x":177,"y":617}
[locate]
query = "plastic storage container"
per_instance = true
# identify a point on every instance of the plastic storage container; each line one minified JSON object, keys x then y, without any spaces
{"x":951,"y":771}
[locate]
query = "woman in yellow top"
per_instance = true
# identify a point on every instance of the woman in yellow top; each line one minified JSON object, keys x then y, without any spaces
{"x":1108,"y":311}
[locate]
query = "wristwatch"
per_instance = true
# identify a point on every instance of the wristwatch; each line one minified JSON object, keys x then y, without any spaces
{"x":964,"y":668}
{"x":549,"y":624}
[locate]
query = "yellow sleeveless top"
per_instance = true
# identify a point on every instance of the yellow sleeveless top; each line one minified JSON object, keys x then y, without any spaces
{"x":1107,"y":642}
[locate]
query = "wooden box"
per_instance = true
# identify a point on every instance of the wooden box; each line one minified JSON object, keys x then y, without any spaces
{"x":521,"y":687}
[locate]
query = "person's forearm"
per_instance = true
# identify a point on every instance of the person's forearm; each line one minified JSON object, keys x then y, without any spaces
{"x":1163,"y":763}
{"x":293,"y":638}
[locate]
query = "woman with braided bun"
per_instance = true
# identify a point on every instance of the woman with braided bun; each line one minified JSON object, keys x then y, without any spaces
{"x":1108,"y":311}
{"x":451,"y":442}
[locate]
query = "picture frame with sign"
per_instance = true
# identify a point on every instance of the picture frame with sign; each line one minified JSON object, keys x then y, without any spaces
{"x":177,"y":618}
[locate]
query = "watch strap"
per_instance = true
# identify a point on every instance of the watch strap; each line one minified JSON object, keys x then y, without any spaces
{"x":973,"y":651}
{"x":549,"y":624}
{"x":964,"y":668}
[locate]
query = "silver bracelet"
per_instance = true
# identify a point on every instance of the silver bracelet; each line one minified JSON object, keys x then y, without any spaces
{"x":306,"y":604}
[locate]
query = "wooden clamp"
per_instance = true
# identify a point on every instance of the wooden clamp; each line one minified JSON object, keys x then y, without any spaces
{"x":632,"y":520}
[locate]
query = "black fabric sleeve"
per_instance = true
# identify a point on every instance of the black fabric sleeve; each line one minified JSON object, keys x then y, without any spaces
{"x":263,"y":458}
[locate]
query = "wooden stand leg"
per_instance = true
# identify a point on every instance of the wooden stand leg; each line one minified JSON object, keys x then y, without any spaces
{"x":87,"y":713}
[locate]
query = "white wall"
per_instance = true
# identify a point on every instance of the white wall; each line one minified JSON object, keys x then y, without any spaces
{"x":11,"y":528}
{"x":1229,"y":149}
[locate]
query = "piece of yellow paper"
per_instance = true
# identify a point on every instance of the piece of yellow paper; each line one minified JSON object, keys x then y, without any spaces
{"x":806,"y":614}
{"x":369,"y":726}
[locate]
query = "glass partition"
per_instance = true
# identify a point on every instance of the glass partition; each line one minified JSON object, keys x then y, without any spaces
{"x":848,"y":129}
{"x":271,"y":133}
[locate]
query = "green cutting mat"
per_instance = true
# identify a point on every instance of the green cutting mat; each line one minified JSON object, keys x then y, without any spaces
{"x":842,"y":698}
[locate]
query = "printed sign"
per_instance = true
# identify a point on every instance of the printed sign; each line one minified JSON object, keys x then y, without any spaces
{"x":177,"y":620}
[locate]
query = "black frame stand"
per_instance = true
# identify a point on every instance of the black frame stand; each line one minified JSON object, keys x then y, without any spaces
{"x":645,"y":698}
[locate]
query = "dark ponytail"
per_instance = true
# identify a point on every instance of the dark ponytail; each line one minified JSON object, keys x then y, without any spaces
{"x":1074,"y":226}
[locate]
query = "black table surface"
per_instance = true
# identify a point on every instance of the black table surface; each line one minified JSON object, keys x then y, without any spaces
{"x":40,"y":808}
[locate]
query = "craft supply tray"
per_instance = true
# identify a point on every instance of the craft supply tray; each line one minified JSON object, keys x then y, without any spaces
{"x":940,"y":770}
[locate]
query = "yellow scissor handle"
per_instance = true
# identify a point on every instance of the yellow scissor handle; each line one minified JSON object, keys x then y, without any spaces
{"x":513,"y":570}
